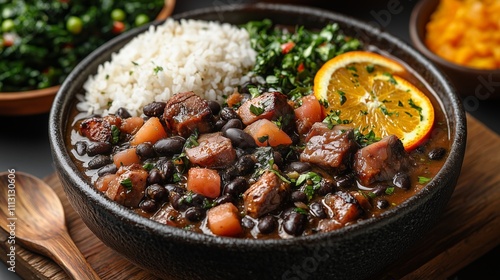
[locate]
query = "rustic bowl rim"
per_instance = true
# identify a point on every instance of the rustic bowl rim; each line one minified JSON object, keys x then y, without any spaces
{"x":57,"y":140}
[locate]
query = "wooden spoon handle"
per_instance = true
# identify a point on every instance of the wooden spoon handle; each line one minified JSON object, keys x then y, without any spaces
{"x":64,"y":252}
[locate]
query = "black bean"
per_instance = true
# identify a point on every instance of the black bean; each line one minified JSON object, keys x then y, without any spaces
{"x":240,"y":138}
{"x":298,"y":196}
{"x":437,"y":153}
{"x":166,"y":167}
{"x":318,"y":210}
{"x":107,"y":169}
{"x":154,"y":109}
{"x":228,"y":113}
{"x":123,"y":113}
{"x":232,"y":123}
{"x":99,"y":148}
{"x":236,"y":186}
{"x":325,"y":187}
{"x":278,"y":158}
{"x":169,"y":146}
{"x":294,"y":223}
{"x":382,"y":204}
{"x":300,"y":166}
{"x":99,"y":161}
{"x":245,"y":164}
{"x":224,"y":199}
{"x":155,"y":177}
{"x":81,"y":148}
{"x":219,"y":124}
{"x":145,"y":151}
{"x":157,"y":192}
{"x":196,"y":199}
{"x":173,"y":188}
{"x":246,"y":222}
{"x":148,"y":205}
{"x":402,"y":180}
{"x":267,"y":224}
{"x":214,"y":107}
{"x":345,"y":181}
{"x":194,"y":214}
{"x":177,"y":201}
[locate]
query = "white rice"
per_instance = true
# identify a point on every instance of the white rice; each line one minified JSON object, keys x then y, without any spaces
{"x":209,"y":58}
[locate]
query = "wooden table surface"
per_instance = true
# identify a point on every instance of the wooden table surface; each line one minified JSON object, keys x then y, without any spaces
{"x":469,"y":228}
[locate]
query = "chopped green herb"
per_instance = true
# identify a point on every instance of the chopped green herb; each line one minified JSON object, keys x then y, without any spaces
{"x":400,"y":104}
{"x":416,"y":107}
{"x":135,"y":63}
{"x":263,"y":139}
{"x":127,"y":183}
{"x":115,"y":134}
{"x":423,"y":180}
{"x":389,"y":190}
{"x":333,"y":119}
{"x":157,"y":69}
{"x":148,"y":166}
{"x":391,"y":78}
{"x":343,"y":99}
{"x":192,"y":140}
{"x":256,"y":110}
{"x":370,"y":68}
{"x":364,"y":140}
{"x":300,"y":210}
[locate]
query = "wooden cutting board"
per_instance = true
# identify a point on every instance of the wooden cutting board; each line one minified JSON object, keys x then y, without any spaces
{"x":469,"y":228}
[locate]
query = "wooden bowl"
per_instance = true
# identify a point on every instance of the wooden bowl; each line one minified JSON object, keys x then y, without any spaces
{"x":40,"y":101}
{"x":470,"y":82}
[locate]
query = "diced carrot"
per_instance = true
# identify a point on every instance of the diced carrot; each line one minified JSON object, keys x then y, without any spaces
{"x":151,"y":131}
{"x":224,"y":220}
{"x":126,"y":157}
{"x":308,"y":113}
{"x":131,"y":125}
{"x":102,"y":183}
{"x":266,"y":133}
{"x":204,"y":181}
{"x":234,"y":99}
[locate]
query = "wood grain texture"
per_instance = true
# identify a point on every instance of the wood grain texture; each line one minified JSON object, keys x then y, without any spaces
{"x":469,"y":227}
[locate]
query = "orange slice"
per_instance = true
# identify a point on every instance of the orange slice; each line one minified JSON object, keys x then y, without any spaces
{"x":363,"y":88}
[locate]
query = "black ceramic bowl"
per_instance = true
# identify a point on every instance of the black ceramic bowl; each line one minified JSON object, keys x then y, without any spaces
{"x":470,"y":82}
{"x":353,"y":252}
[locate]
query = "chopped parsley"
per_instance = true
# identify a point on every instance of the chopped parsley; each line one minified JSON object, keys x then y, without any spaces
{"x":416,"y":107}
{"x":370,"y":68}
{"x":423,"y":180}
{"x":148,"y":166}
{"x":300,"y":210}
{"x":256,"y":110}
{"x":343,"y":99}
{"x":115,"y":134}
{"x":127,"y":183}
{"x":333,"y":119}
{"x":157,"y":69}
{"x":389,"y":190}
{"x":391,"y":78}
{"x":311,"y":182}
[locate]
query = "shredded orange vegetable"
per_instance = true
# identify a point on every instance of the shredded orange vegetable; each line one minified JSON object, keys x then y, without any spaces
{"x":466,"y":32}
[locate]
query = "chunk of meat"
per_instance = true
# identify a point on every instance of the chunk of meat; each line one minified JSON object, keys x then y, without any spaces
{"x":265,"y":195}
{"x":99,"y":129}
{"x":213,"y":151}
{"x":129,"y":185}
{"x":342,"y":208}
{"x":329,"y":148}
{"x":380,"y":161}
{"x":186,"y":112}
{"x":271,"y":106}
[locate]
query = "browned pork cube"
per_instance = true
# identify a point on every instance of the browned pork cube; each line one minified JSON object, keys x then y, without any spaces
{"x":186,"y":112}
{"x":213,"y":151}
{"x":99,"y":129}
{"x":129,"y":185}
{"x":342,"y":208}
{"x":380,"y":161}
{"x":271,"y":106}
{"x":265,"y":195}
{"x":329,"y":148}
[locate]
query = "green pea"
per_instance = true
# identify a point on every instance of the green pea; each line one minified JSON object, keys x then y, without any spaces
{"x":141,"y":19}
{"x":118,"y":15}
{"x":74,"y":25}
{"x":8,"y":25}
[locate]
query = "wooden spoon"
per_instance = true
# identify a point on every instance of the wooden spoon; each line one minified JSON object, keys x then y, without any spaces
{"x":33,"y":215}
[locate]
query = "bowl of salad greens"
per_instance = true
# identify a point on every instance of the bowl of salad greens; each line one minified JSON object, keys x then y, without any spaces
{"x":42,"y":41}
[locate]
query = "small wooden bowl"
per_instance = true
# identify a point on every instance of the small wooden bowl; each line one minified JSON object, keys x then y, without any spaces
{"x":39,"y":101}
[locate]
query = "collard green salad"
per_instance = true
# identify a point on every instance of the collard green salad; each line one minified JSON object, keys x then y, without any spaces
{"x":42,"y":41}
